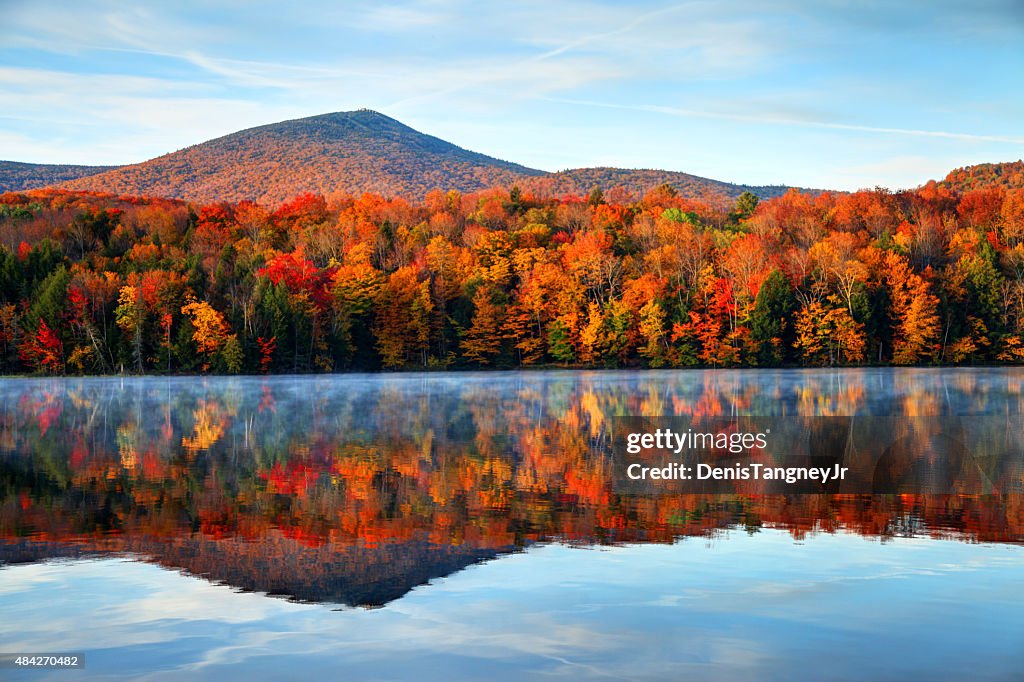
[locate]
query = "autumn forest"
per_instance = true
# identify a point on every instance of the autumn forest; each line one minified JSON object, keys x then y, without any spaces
{"x":502,"y":278}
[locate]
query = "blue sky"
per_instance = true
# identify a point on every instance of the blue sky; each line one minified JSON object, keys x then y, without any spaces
{"x":818,"y":93}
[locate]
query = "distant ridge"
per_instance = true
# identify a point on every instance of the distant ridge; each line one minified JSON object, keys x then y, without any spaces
{"x":16,"y":176}
{"x":640,"y":181}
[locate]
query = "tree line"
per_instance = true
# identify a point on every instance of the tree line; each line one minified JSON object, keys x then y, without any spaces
{"x":93,"y":283}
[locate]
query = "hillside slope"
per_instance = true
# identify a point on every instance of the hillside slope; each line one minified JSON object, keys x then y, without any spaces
{"x":16,"y":176}
{"x":640,"y":181}
{"x":1008,"y":175}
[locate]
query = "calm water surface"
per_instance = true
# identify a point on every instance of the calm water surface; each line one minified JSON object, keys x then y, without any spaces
{"x":464,"y":526}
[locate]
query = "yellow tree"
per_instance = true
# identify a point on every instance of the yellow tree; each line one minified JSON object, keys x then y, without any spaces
{"x":130,"y":315}
{"x":210,"y":332}
{"x":355,"y":288}
{"x":652,"y":329}
{"x":593,"y":339}
{"x":543,"y":284}
{"x":828,"y":336}
{"x":402,"y":324}
{"x":914,"y":312}
{"x":482,"y":342}
{"x":837,"y":263}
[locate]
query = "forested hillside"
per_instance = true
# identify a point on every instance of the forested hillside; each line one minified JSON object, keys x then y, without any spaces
{"x":637,"y":182}
{"x":15,"y":176}
{"x":1009,"y":175}
{"x":500,"y":278}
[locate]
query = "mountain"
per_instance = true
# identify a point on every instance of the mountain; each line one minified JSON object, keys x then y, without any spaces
{"x":15,"y":176}
{"x":1008,"y":175}
{"x":360,"y":151}
{"x":356,"y":151}
{"x":640,"y":181}
{"x":370,"y":574}
{"x":366,"y":151}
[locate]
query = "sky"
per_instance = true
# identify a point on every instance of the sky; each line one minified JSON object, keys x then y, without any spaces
{"x":817,"y":93}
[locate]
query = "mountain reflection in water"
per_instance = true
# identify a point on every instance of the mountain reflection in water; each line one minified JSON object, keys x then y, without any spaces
{"x":354,"y":489}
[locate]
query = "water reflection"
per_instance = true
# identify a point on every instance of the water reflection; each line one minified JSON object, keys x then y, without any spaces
{"x":354,"y":489}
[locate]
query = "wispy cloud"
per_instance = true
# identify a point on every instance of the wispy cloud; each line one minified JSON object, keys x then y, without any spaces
{"x":780,"y":120}
{"x":98,"y":118}
{"x":407,"y":17}
{"x":555,"y":83}
{"x":629,"y":26}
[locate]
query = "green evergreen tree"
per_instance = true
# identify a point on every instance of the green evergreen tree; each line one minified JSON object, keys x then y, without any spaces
{"x":746,"y":203}
{"x":769,"y":326}
{"x":559,"y":344}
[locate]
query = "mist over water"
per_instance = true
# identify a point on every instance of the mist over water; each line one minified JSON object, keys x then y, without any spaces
{"x":476,"y":512}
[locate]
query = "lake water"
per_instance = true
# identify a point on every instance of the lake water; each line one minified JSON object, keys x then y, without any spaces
{"x":464,"y":526}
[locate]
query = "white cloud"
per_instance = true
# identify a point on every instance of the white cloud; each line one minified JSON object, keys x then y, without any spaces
{"x":151,"y":78}
{"x":802,"y":121}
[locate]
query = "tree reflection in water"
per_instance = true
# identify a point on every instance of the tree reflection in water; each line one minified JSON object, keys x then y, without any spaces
{"x":354,"y":489}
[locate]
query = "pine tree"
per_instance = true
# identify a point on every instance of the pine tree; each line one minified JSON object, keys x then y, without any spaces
{"x":770,"y":329}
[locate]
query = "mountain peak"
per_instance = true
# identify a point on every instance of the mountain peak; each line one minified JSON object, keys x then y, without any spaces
{"x":356,"y":115}
{"x":366,"y":113}
{"x":336,"y":124}
{"x":352,"y":151}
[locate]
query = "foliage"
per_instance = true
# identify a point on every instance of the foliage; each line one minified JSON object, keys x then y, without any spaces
{"x":96,"y":283}
{"x":43,"y":350}
{"x":16,"y":176}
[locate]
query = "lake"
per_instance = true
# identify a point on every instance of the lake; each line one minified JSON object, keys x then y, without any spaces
{"x":465,"y":526}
